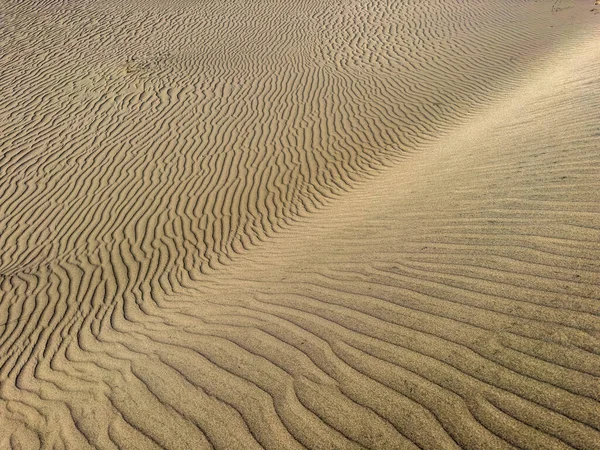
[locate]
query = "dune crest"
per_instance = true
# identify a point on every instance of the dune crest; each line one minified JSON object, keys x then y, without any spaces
{"x":320,"y":224}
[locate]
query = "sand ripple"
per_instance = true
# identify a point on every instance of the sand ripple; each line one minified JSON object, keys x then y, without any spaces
{"x":316,"y":224}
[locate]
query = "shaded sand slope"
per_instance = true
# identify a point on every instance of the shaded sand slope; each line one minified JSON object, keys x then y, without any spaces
{"x":324,"y":224}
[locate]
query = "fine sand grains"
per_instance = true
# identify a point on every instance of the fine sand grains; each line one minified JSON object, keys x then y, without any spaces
{"x":312,"y":224}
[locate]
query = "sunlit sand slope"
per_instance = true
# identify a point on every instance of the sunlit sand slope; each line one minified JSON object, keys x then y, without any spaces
{"x":313,"y":224}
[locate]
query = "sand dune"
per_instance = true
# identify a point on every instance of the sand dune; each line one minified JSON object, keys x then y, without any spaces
{"x":315,"y":224}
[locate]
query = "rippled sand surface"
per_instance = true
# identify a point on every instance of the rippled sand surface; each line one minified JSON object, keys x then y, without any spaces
{"x":332,"y":224}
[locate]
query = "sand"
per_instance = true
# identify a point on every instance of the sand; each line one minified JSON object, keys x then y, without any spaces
{"x":333,"y":224}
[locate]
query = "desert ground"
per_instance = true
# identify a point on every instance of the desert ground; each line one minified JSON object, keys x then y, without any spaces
{"x":288,"y":224}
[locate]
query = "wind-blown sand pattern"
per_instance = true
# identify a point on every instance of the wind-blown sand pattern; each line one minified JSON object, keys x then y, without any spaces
{"x":313,"y":224}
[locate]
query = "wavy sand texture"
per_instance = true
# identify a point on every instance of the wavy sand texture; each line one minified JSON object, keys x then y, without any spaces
{"x":312,"y":224}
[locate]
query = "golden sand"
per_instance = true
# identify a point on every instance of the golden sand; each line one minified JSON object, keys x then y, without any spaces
{"x":333,"y":224}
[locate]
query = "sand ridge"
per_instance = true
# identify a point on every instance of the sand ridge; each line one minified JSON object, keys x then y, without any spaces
{"x":319,"y":224}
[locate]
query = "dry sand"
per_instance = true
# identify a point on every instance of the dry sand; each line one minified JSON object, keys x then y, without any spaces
{"x":327,"y":224}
